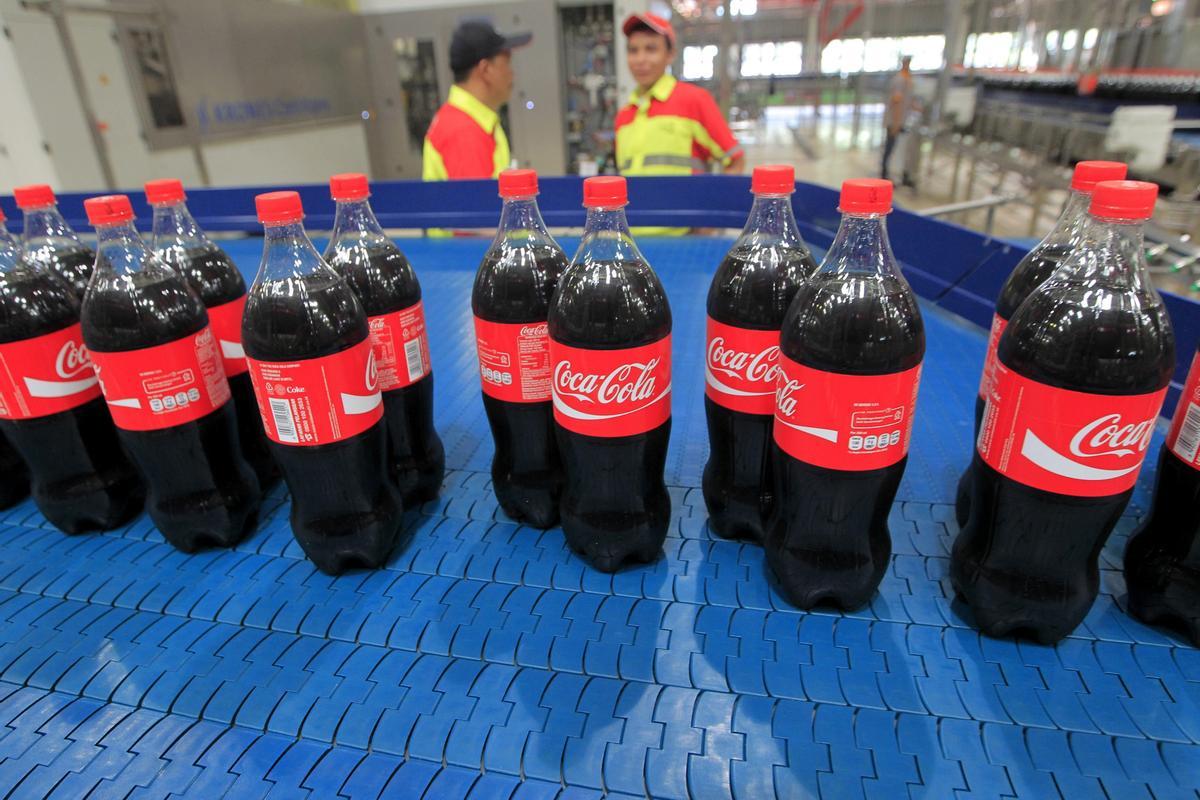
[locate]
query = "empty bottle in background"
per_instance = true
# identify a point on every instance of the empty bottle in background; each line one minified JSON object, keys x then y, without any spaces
{"x":387,"y":287}
{"x":747,"y":300}
{"x":610,"y":351}
{"x":1081,"y":372}
{"x":1162,"y":559}
{"x":850,"y":362}
{"x":1038,"y":265}
{"x":51,"y":409}
{"x":49,"y":242}
{"x":511,"y":302}
{"x":212,"y":275}
{"x":161,"y":373}
{"x":306,"y":339}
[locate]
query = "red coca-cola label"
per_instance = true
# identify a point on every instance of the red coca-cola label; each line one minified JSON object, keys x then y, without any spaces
{"x":989,"y":361}
{"x":401,"y":347}
{"x":1184,"y":438}
{"x":226,"y":323}
{"x":740,"y":366}
{"x":514,"y":360}
{"x":846,"y":422}
{"x":165,"y":385}
{"x":1058,"y":440}
{"x":46,"y":375}
{"x":321,"y":400}
{"x":611,"y":392}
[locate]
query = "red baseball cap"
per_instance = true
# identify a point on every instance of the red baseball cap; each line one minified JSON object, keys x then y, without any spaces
{"x":652,"y":21}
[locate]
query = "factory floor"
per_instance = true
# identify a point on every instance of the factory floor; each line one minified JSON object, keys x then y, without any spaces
{"x":826,"y":149}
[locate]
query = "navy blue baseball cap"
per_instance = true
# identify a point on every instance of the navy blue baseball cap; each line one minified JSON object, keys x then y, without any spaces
{"x":476,"y":39}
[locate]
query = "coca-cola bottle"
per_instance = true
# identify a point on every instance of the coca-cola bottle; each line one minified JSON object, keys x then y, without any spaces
{"x":747,"y":300}
{"x":160,"y":370}
{"x":1162,"y":560}
{"x":1037,"y":265}
{"x":212,"y":275}
{"x":14,"y":478}
{"x":511,"y":302}
{"x":49,"y":242}
{"x":314,"y":374}
{"x":51,"y":409}
{"x":1081,"y":372}
{"x":610,"y":350}
{"x":850,"y":362}
{"x":387,"y":286}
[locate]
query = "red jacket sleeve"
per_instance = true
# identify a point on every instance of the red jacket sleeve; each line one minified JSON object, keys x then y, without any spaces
{"x":710,"y":116}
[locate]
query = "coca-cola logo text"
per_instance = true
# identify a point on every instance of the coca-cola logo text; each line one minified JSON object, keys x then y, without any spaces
{"x":72,"y":360}
{"x":627,"y":383}
{"x":785,"y":398}
{"x":1109,"y":435}
{"x":539,"y":329}
{"x":755,"y":367}
{"x":372,"y":376}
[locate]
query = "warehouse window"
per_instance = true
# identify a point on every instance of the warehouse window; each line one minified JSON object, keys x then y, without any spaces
{"x":883,"y":54}
{"x":764,"y":59}
{"x":991,"y":49}
{"x":698,"y":62}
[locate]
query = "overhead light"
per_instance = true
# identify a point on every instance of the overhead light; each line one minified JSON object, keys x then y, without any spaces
{"x":1160,"y":8}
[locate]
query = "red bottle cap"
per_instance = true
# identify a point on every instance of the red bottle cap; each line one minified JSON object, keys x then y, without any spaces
{"x":164,"y":191}
{"x":773,"y":179}
{"x":1128,"y":200}
{"x":1089,"y":173}
{"x":866,"y":196}
{"x":2,"y":217}
{"x":349,"y":186}
{"x":518,"y":183}
{"x":109,"y":209}
{"x":34,"y":196}
{"x":278,"y":208}
{"x":604,"y":191}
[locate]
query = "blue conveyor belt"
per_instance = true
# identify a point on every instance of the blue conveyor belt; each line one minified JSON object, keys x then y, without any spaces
{"x":487,"y":661}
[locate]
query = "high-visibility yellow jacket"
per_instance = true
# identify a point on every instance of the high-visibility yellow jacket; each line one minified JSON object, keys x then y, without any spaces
{"x":465,"y":140}
{"x":673,"y":129}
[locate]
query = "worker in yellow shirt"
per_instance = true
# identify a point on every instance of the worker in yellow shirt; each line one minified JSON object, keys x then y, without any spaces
{"x":668,"y":127}
{"x":465,"y":139}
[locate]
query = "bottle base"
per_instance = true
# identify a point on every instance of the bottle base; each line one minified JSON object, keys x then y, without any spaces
{"x":812,"y":583}
{"x":1016,"y":618}
{"x":1174,"y":611}
{"x":536,"y":512}
{"x":370,"y":542}
{"x":420,"y":480}
{"x":97,"y":509}
{"x":608,"y":559}
{"x":206,"y":532}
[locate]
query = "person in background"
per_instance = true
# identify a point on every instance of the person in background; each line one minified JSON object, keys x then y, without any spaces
{"x":668,"y":127}
{"x":895,"y":114}
{"x":465,"y":139}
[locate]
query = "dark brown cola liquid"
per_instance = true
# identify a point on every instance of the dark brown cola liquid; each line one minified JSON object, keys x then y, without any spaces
{"x":752,"y":289}
{"x":514,"y":285}
{"x":615,"y":507}
{"x":385,"y":282}
{"x":79,"y":474}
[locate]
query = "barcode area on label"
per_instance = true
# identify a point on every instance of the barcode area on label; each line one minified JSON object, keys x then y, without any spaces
{"x":285,"y":424}
{"x":1188,"y":441}
{"x":412,"y":355}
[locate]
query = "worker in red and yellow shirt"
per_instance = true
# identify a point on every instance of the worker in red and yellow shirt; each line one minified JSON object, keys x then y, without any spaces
{"x":465,"y":139}
{"x":668,"y":127}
